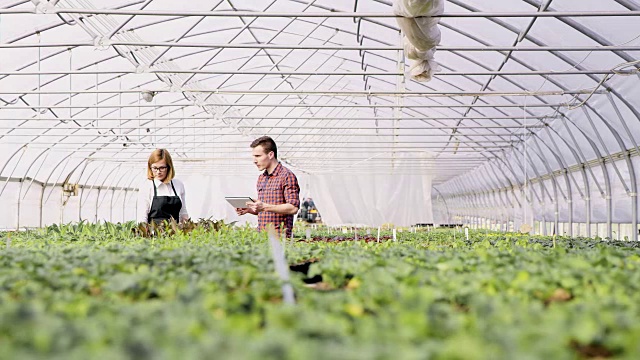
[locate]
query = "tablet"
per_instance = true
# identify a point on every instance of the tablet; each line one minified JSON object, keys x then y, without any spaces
{"x":238,"y":201}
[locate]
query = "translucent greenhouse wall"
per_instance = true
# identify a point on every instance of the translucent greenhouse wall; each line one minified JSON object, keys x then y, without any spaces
{"x":580,"y":177}
{"x":341,"y":200}
{"x":607,"y":214}
{"x":42,"y":206}
{"x":373,"y":200}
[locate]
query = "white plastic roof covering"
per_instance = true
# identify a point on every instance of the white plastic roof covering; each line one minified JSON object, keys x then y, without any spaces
{"x":327,"y":80}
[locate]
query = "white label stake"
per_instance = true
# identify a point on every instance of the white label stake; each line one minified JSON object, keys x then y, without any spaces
{"x":282,"y":269}
{"x":308,"y":234}
{"x":466,"y":233}
{"x":394,"y":235}
{"x":378,"y":233}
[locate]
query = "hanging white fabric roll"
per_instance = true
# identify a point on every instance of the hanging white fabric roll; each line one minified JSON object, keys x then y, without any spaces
{"x":422,"y":34}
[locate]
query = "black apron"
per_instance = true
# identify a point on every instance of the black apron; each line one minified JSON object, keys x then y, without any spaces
{"x":164,"y":207}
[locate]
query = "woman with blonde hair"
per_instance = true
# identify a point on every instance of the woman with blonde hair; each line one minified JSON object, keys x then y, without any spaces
{"x":162,"y":198}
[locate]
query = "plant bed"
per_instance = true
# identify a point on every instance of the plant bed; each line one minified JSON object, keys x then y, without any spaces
{"x":98,"y":291}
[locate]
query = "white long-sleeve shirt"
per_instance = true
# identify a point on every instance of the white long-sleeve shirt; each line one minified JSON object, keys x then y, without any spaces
{"x":145,"y":197}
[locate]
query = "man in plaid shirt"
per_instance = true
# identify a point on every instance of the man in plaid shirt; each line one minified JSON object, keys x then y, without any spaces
{"x":278,"y":189}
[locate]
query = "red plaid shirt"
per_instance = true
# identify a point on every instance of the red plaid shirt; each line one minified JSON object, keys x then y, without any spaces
{"x":281,"y":187}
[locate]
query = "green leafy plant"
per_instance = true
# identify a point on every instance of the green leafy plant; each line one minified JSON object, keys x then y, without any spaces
{"x":193,"y":289}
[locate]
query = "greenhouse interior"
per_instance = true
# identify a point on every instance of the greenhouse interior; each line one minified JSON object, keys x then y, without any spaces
{"x":454,"y":179}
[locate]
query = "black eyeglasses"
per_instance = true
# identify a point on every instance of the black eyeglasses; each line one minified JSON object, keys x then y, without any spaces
{"x":159,"y":168}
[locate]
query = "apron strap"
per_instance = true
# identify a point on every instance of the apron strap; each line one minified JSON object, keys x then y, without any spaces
{"x":174,"y":189}
{"x":155,"y":189}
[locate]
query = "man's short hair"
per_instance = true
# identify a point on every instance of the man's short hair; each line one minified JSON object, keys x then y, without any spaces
{"x":267,"y":144}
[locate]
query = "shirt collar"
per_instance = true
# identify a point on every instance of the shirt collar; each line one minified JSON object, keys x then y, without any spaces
{"x":158,"y":182}
{"x":275,"y":171}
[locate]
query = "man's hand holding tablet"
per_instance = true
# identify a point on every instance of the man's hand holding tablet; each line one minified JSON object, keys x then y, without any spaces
{"x":241,"y":204}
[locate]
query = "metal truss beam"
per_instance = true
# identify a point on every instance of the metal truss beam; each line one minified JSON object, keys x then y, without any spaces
{"x":309,"y":14}
{"x":346,"y":128}
{"x":271,"y":133}
{"x":283,"y":105}
{"x":307,"y":118}
{"x":318,"y":73}
{"x":103,"y":43}
{"x":316,"y":92}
